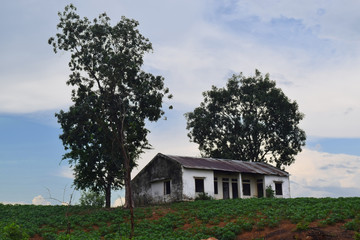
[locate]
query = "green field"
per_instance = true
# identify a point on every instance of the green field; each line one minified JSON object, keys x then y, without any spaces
{"x":222,"y":219}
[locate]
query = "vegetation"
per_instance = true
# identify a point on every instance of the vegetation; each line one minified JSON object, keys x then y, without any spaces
{"x":223,"y":219}
{"x":93,"y":199}
{"x":104,"y":130}
{"x":269,"y":192}
{"x":250,"y":119}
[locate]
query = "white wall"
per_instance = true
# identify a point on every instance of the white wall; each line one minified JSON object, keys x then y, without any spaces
{"x":270,"y":180}
{"x":157,"y":192}
{"x":189,"y":176}
{"x":253,"y":184}
{"x":220,"y":178}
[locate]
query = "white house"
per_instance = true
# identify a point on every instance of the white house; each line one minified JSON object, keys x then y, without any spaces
{"x":168,"y":178}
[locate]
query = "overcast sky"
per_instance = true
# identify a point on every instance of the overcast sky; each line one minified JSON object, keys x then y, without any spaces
{"x":311,"y":48}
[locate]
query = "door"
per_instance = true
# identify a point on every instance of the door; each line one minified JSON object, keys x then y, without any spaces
{"x":226,"y":193}
{"x":260,"y":189}
{"x":235,"y":191}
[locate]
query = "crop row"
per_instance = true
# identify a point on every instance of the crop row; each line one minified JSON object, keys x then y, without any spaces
{"x":223,"y":219}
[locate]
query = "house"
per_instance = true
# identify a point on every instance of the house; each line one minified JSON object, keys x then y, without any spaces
{"x":168,"y":178}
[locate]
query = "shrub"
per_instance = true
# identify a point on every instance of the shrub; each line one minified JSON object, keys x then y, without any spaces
{"x":270,"y":193}
{"x":228,"y":235}
{"x":302,"y":226}
{"x":13,"y":232}
{"x":352,"y":225}
{"x":204,"y":196}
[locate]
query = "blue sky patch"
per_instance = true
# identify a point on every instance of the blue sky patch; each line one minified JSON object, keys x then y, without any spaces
{"x":349,"y":146}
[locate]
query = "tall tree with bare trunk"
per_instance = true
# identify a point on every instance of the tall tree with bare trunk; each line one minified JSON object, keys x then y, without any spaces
{"x":104,"y":130}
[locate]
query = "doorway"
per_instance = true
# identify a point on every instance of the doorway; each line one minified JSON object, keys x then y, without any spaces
{"x":226,"y":192}
{"x":235,"y":191}
{"x":260,"y":188}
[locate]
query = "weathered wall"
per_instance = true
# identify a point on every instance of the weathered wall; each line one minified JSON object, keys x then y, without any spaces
{"x":189,"y":176}
{"x":148,"y":185}
{"x":270,"y":180}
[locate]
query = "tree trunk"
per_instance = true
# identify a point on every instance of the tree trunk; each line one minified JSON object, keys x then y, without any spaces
{"x":128,"y":194}
{"x":108,"y":196}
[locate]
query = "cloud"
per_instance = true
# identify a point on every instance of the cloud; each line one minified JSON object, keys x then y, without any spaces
{"x":40,"y":200}
{"x":309,"y":47}
{"x":66,"y":172}
{"x":320,"y":174}
{"x":13,"y":203}
{"x":34,"y":91}
{"x":119,"y":202}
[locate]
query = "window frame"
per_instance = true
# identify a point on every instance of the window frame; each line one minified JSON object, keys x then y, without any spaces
{"x":167,"y":187}
{"x":279,"y":188}
{"x":202,"y":185}
{"x":216,"y":186}
{"x":246,"y":182}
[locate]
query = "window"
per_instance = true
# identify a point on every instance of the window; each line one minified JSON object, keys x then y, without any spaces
{"x":167,"y":189}
{"x":216,"y":190}
{"x":246,"y":187}
{"x":199,"y":185}
{"x":278,"y":188}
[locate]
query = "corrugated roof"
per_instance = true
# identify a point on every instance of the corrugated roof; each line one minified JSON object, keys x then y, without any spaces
{"x":227,"y":165}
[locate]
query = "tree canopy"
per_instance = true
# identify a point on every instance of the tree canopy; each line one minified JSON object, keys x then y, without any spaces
{"x":104,"y":130}
{"x":250,"y":119}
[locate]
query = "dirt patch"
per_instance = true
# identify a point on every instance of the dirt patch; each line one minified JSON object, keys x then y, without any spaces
{"x":159,"y":213}
{"x":288,"y":231}
{"x":36,"y":237}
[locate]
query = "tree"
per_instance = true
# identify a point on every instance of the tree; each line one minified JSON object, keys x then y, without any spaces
{"x":104,"y":131}
{"x":250,"y":119}
{"x":97,"y":166}
{"x":91,"y":198}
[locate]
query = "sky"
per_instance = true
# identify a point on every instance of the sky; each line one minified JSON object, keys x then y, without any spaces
{"x":310,"y":48}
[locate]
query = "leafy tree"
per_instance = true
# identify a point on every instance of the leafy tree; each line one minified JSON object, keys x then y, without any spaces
{"x":250,"y":119}
{"x":90,"y":198}
{"x":104,"y":131}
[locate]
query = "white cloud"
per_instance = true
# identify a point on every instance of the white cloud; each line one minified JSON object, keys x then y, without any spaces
{"x":199,"y":43}
{"x":34,"y":91}
{"x":13,"y":203}
{"x":320,"y":174}
{"x":66,"y":172}
{"x":119,"y":202}
{"x":40,"y":200}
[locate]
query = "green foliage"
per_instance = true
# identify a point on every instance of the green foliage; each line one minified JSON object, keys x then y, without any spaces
{"x":204,"y":196}
{"x":250,"y":119}
{"x":302,"y":226}
{"x":104,"y":130}
{"x":223,"y":219}
{"x":13,"y":231}
{"x":269,"y":192}
{"x":92,"y":198}
{"x":228,"y":235}
{"x":353,"y":225}
{"x":357,"y":236}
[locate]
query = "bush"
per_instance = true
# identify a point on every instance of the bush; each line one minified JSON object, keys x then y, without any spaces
{"x":302,"y":226}
{"x":13,"y":232}
{"x":204,"y":196}
{"x":270,"y":193}
{"x":228,"y":235}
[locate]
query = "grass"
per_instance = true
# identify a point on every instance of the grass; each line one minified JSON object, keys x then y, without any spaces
{"x":223,"y":219}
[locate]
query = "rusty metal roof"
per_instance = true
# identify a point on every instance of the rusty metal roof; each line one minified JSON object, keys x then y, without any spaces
{"x":227,"y":165}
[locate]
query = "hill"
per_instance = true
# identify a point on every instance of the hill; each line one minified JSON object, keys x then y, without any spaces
{"x":299,"y":218}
